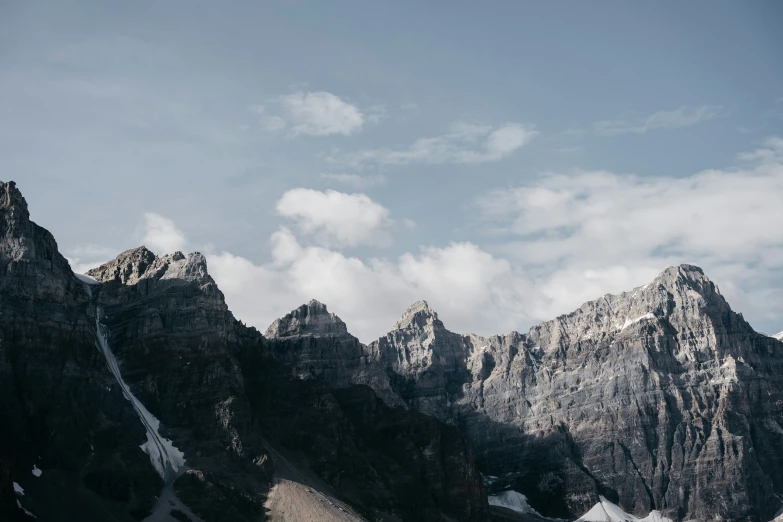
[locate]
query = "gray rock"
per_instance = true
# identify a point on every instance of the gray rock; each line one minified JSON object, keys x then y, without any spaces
{"x":310,"y":319}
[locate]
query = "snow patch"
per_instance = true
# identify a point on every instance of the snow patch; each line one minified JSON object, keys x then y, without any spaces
{"x":513,"y":500}
{"x":37,"y":472}
{"x":166,"y":458}
{"x":628,"y":322}
{"x":535,"y":353}
{"x":606,"y":511}
{"x":19,"y":490}
{"x":86,"y":279}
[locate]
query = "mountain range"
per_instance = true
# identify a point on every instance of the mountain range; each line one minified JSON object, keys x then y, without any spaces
{"x":132,"y":393}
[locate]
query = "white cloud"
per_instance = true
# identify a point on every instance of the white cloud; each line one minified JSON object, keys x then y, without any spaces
{"x":336,"y":218}
{"x":355,"y":180}
{"x":714,"y":213}
{"x":82,"y":267}
{"x":315,"y":114}
{"x":84,"y":257}
{"x":465,"y":143}
{"x":603,"y":231}
{"x":467,"y":286}
{"x":771,"y":152}
{"x":161,"y":235}
{"x":673,"y":119}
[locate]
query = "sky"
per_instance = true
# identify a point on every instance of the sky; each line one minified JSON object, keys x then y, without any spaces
{"x":505,"y":161}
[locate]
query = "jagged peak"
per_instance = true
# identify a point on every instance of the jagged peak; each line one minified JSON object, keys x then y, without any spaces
{"x":685,"y":269}
{"x":24,"y":240}
{"x":418,"y":311}
{"x":690,"y":278}
{"x":312,"y":318}
{"x":315,"y":304}
{"x":139,"y":263}
{"x":191,"y":267}
{"x":686,"y":273}
{"x":11,"y":198}
{"x":673,"y":277}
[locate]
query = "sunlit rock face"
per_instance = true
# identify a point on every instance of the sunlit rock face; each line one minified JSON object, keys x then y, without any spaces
{"x":641,"y":397}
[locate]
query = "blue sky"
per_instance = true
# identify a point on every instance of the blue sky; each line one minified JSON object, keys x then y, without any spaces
{"x":505,"y":161}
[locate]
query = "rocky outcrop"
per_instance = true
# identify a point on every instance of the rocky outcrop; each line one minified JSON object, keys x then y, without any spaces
{"x":312,"y":319}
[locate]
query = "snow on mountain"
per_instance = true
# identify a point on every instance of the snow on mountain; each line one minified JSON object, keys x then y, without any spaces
{"x":512,"y":500}
{"x":165,"y":457}
{"x":605,"y":511}
{"x":87,"y":279}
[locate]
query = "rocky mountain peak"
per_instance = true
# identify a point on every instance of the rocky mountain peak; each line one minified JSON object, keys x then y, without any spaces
{"x":21,"y":239}
{"x":309,"y":319}
{"x":682,"y":296}
{"x":139,"y":263}
{"x":685,"y":277}
{"x":128,"y":267}
{"x":11,"y":200}
{"x":191,"y":267}
{"x":419,"y":313}
{"x":317,"y":306}
{"x":690,"y":289}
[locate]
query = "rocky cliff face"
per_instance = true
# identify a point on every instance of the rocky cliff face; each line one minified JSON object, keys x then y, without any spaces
{"x":659,"y":398}
{"x":56,"y":412}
